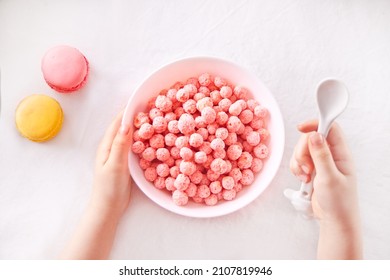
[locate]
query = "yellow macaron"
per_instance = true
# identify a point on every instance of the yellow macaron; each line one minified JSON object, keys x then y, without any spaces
{"x":39,"y":117}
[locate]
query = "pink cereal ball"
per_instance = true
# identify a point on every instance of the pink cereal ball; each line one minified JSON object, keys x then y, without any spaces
{"x":182,"y":182}
{"x":206,"y":147}
{"x":215,"y":95}
{"x":138,"y":147}
{"x":251,"y":103}
{"x":177,"y":85}
{"x":219,"y":154}
{"x":221,"y":133}
{"x":226,"y":92}
{"x":157,"y":141}
{"x":190,"y":106}
{"x":241,"y":129}
{"x":162,"y":170}
{"x":191,"y":190}
{"x":200,"y":122}
{"x":205,"y":79}
{"x":247,"y":147}
{"x":264,"y":134}
{"x":163,"y":103}
{"x":170,"y":161}
{"x":170,"y":116}
{"x":247,"y":177}
{"x":217,"y":109}
{"x":260,"y":111}
{"x":234,"y":152}
{"x":233,"y":124}
{"x":203,"y":191}
{"x":229,"y":166}
{"x":261,"y":151}
{"x":149,"y":154}
{"x":175,"y":152}
{"x":191,"y":88}
{"x":253,"y":138}
{"x":212,"y":175}
{"x":174,"y":171}
{"x":197,"y":199}
{"x":143,"y":163}
{"x":245,"y":160}
{"x":215,"y":187}
{"x":212,"y":128}
{"x":186,"y":124}
{"x":203,"y":103}
{"x":243,"y":104}
{"x":177,"y":162}
{"x":170,"y":139}
{"x":256,"y":123}
{"x":171,"y":94}
{"x":217,"y":144}
{"x":187,"y":167}
{"x":237,"y":187}
{"x":235,"y":109}
{"x":194,"y":81}
{"x":229,"y":194}
{"x":180,"y":198}
{"x":211,"y":200}
{"x":186,"y":153}
{"x":236,"y":174}
{"x":173,"y":126}
{"x":246,"y":116}
{"x":257,"y":165}
{"x":179,"y":111}
{"x":203,"y":132}
{"x":151,"y":103}
{"x":169,"y":184}
{"x":200,"y":157}
{"x":146,"y":131}
{"x":219,"y":82}
{"x":240,"y":92}
{"x":196,"y":177}
{"x":196,"y":140}
{"x":140,"y":119}
{"x":208,"y":113}
{"x":136,"y":136}
{"x":159,"y":183}
{"x":228,"y":182}
{"x":162,"y":154}
{"x":211,"y":137}
{"x":225,"y":104}
{"x":231,"y":139}
{"x":150,"y":174}
{"x":198,"y":96}
{"x":204,"y":90}
{"x":181,"y":141}
{"x":218,"y":165}
{"x":155,"y":112}
{"x":159,"y":124}
{"x":182,"y":95}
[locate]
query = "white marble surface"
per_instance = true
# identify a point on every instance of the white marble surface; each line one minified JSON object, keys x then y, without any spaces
{"x":290,"y":45}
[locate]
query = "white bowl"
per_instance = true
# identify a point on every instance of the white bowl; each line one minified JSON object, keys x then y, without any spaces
{"x":181,"y":70}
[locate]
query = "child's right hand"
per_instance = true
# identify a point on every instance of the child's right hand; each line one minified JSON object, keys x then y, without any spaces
{"x":335,"y":192}
{"x":334,"y":199}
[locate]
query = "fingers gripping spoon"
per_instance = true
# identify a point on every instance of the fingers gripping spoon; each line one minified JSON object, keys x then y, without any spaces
{"x":332,"y":99}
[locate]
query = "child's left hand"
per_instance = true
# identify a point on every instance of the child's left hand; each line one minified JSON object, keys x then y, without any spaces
{"x":112,"y":181}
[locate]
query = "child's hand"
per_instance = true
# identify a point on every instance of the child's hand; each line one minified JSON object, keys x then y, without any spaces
{"x":112,"y":182}
{"x":334,"y":199}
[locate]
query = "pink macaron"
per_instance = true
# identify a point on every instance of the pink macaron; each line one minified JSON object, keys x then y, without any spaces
{"x":65,"y":69}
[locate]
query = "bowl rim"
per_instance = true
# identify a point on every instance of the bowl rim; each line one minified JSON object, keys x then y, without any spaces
{"x":127,"y":121}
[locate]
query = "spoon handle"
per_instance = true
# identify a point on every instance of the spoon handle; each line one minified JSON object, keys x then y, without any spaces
{"x":306,"y":189}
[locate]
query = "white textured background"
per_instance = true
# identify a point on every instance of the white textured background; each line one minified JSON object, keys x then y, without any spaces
{"x":290,"y":45}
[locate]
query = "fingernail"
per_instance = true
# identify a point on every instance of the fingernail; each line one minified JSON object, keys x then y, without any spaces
{"x":303,"y":178}
{"x":123,"y":129}
{"x":316,"y":139}
{"x":305,"y":169}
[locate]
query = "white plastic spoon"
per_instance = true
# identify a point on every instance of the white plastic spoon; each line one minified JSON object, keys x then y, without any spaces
{"x":332,"y":99}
